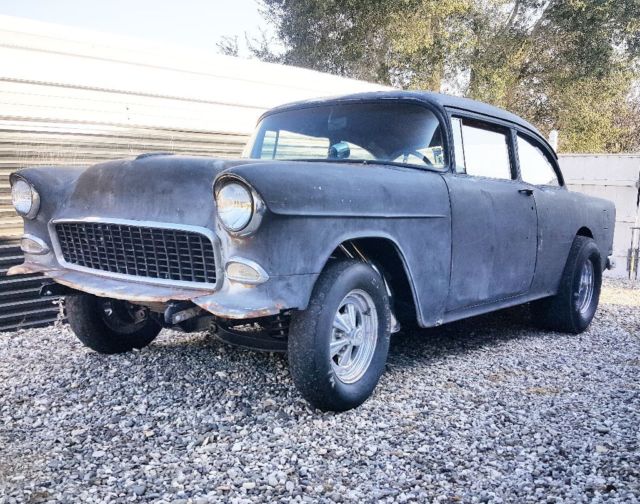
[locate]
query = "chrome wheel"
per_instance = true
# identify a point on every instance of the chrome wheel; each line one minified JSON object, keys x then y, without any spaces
{"x":354,"y":336}
{"x":586,"y":287}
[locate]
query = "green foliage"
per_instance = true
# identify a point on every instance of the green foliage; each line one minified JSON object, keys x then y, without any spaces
{"x":562,"y":64}
{"x":591,"y":114}
{"x":340,"y":37}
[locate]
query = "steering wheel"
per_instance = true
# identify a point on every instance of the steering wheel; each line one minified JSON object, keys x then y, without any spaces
{"x":416,"y":153}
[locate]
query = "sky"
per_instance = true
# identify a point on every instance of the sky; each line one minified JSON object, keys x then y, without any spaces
{"x":193,"y":23}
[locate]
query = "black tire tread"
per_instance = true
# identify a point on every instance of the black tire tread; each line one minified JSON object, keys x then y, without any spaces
{"x":310,"y":382}
{"x":90,"y":329}
{"x":303,"y":326}
{"x":557,"y":312}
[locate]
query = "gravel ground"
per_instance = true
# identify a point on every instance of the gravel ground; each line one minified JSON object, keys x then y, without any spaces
{"x":486,"y":410}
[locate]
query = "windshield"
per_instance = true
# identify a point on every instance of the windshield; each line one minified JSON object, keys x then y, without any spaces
{"x":404,"y":133}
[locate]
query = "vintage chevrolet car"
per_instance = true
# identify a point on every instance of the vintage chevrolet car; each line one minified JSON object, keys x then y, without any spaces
{"x":345,"y":218}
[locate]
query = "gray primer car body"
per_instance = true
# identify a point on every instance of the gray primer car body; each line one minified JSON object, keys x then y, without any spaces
{"x":467,"y":245}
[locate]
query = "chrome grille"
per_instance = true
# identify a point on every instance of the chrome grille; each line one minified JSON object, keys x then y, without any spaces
{"x":150,"y":252}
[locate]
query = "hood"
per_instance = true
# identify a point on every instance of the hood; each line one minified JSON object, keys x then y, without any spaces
{"x":162,"y":188}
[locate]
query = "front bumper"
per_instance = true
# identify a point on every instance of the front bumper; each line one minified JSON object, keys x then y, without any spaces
{"x":233,"y":300}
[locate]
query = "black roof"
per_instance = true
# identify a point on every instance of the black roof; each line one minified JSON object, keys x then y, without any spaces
{"x":438,"y":99}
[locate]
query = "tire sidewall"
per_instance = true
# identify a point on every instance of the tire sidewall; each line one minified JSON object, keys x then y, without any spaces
{"x":588,"y":252}
{"x":355,"y":278}
{"x":318,"y":382}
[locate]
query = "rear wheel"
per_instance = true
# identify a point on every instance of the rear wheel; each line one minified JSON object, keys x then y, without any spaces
{"x":110,"y":325}
{"x":338,"y":346}
{"x":572,"y":309}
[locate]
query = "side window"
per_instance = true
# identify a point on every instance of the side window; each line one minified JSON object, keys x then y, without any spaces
{"x":284,"y":144}
{"x":481,"y":149}
{"x":535,"y":168}
{"x":456,"y":125}
{"x":269,"y":145}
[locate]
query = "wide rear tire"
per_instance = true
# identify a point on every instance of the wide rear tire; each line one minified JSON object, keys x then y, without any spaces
{"x":338,"y":346}
{"x":110,"y":326}
{"x":572,"y":309}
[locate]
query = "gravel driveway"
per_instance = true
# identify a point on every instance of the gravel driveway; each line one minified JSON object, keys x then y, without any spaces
{"x":487,"y":410}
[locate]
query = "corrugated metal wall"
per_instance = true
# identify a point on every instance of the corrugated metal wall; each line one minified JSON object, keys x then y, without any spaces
{"x":71,"y":96}
{"x":20,"y":303}
{"x":27,"y":142}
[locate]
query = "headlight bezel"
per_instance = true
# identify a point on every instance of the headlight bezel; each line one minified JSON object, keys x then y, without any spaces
{"x":35,"y":197}
{"x":257,"y":205}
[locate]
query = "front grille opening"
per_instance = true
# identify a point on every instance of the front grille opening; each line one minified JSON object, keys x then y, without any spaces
{"x":159,"y":253}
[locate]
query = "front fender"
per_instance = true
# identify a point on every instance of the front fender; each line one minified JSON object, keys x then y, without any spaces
{"x":316,"y":189}
{"x":313,"y":207}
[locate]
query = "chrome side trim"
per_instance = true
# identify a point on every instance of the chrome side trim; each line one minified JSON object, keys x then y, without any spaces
{"x":139,"y":279}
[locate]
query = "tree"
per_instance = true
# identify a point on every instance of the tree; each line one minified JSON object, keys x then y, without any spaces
{"x":340,"y":37}
{"x":260,"y":47}
{"x":228,"y":46}
{"x":562,"y":64}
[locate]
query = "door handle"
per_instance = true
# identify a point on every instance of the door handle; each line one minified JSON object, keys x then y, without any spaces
{"x":526,"y":192}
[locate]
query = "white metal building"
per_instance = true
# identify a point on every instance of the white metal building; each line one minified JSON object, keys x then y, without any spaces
{"x":615,"y":177}
{"x":69,"y":95}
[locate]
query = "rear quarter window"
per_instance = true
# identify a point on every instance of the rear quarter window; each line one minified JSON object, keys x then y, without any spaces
{"x":535,"y":167}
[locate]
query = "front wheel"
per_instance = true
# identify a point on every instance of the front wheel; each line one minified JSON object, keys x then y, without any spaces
{"x":338,"y":346}
{"x":109,"y":325}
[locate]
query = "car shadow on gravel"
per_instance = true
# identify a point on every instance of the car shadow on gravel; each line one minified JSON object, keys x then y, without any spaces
{"x":410,"y":345}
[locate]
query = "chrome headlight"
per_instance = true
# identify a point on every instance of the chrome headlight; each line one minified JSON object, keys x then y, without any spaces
{"x":239,"y":207}
{"x":25,"y":198}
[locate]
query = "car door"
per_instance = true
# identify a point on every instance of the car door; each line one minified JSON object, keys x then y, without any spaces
{"x":554,"y":204}
{"x":494,"y":224}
